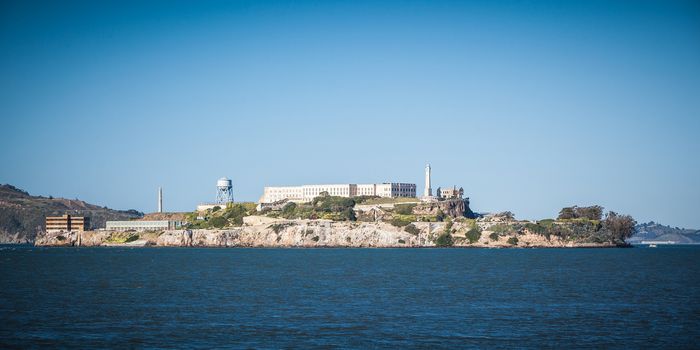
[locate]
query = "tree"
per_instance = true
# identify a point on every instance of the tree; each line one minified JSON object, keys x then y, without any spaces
{"x":437,"y":193}
{"x":594,"y":212}
{"x":218,"y":221}
{"x":619,"y":227}
{"x":473,"y":234}
{"x":289,"y":210}
{"x":444,"y":240}
{"x":567,"y":213}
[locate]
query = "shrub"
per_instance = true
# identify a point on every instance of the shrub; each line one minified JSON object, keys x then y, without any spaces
{"x":218,"y":221}
{"x":401,"y":241}
{"x":502,"y":229}
{"x":332,"y":203}
{"x":448,"y":226}
{"x":404,"y":209}
{"x":289,"y":211}
{"x":513,"y":241}
{"x":215,"y":209}
{"x":315,"y":239}
{"x":440,"y":215}
{"x":412,"y":229}
{"x":236,"y":212}
{"x":535,"y":228}
{"x":402,"y":220}
{"x":444,"y":240}
{"x":494,"y":236}
{"x":473,"y":234}
{"x":277,"y":228}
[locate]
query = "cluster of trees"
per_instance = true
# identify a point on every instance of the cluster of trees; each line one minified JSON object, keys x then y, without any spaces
{"x":322,"y":207}
{"x":594,"y":212}
{"x":619,"y":227}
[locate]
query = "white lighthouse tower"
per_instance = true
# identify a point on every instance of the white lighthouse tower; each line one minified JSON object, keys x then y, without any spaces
{"x":428,"y":190}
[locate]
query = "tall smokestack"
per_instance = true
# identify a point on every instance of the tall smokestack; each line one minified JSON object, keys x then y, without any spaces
{"x":160,"y":199}
{"x":428,"y":190}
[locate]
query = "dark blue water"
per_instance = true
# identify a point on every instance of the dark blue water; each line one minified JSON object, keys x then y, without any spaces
{"x":350,"y":298}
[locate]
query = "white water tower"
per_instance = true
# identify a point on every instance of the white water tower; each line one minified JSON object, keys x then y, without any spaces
{"x":224,"y":191}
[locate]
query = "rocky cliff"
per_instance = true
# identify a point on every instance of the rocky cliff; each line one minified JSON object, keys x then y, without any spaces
{"x":322,"y":233}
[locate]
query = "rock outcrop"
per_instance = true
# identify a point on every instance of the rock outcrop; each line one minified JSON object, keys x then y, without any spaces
{"x":452,"y":207}
{"x":325,"y":233}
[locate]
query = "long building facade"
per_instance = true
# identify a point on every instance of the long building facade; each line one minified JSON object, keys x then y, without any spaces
{"x":307,"y":193}
{"x":143,"y":225}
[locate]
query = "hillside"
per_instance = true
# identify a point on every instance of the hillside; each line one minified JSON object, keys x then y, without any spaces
{"x":652,"y":231}
{"x":22,"y":215}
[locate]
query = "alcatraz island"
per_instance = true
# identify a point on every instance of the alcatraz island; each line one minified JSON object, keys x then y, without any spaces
{"x":340,"y":215}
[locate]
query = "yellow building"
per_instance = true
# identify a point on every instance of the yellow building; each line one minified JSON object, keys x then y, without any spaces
{"x":67,"y":223}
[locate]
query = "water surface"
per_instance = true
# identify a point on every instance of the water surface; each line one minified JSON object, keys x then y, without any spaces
{"x":349,"y":298}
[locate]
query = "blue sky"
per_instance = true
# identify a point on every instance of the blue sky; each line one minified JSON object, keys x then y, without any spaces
{"x":529,"y":105}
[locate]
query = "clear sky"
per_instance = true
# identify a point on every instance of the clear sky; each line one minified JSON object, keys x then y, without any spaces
{"x":529,"y":105}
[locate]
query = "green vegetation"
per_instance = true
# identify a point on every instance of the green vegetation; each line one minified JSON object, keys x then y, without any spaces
{"x":591,"y":213}
{"x":448,"y":226}
{"x":218,"y":222}
{"x":440,"y":216}
{"x":402,"y":220}
{"x":427,"y":218}
{"x":232,"y":215}
{"x":122,"y":237}
{"x":322,"y":207}
{"x":412,"y":229}
{"x":444,"y":240}
{"x":277,"y":228}
{"x":404,"y":209}
{"x":504,"y":229}
{"x":513,"y":241}
{"x":383,"y":200}
{"x":619,"y":227}
{"x":471,"y":223}
{"x":401,"y":241}
{"x":315,"y":239}
{"x":473,"y":234}
{"x":494,"y":236}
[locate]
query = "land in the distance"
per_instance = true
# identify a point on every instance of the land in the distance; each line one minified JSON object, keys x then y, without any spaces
{"x":325,"y":222}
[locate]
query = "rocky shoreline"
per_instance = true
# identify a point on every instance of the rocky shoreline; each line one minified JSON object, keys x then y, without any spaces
{"x":280,"y":233}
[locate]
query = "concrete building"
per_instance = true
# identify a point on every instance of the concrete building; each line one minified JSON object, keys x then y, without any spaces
{"x":450,"y":193}
{"x":67,"y":223}
{"x":307,"y":193}
{"x":153,"y":225}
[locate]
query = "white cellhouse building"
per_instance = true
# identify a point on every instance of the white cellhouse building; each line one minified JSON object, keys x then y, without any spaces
{"x":307,"y":193}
